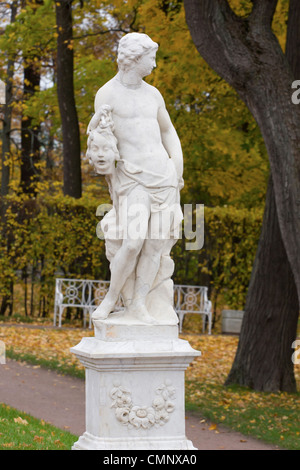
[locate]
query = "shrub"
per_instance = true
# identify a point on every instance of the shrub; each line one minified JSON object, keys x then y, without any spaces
{"x":54,"y":236}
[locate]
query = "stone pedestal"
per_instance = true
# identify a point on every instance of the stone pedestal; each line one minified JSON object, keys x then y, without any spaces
{"x":134,"y":386}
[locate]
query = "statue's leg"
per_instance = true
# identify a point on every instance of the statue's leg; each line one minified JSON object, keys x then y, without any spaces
{"x":125,"y":260}
{"x":147,"y":269}
{"x":156,"y":244}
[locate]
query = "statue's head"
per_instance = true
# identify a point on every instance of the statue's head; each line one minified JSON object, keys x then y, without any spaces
{"x":102,"y":149}
{"x":102,"y":152}
{"x":132,"y":48}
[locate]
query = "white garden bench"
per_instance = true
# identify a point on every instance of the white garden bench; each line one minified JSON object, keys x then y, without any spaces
{"x":88,"y":294}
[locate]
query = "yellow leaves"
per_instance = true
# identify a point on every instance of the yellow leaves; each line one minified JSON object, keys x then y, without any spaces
{"x":70,"y":43}
{"x":7,"y":444}
{"x":217,"y":354}
{"x":241,"y":8}
{"x":212,"y":427}
{"x":205,"y":387}
{"x":58,"y":443}
{"x":44,"y":343}
{"x":20,"y":420}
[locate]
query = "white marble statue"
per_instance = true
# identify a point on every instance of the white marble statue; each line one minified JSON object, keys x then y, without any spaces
{"x":133,"y":142}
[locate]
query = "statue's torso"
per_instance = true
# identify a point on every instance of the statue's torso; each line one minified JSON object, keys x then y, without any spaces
{"x":135,"y":113}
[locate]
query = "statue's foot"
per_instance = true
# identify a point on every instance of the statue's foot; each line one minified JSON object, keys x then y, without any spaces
{"x":104,"y":309}
{"x":140,"y":312}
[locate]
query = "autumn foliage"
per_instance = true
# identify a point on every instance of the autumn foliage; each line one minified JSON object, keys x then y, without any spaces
{"x":54,"y":236}
{"x":43,"y":234}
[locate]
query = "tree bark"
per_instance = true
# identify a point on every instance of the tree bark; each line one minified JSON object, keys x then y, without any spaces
{"x":30,"y":153}
{"x":7,"y":119}
{"x":8,"y":300}
{"x":252,"y":62}
{"x":246,"y":53}
{"x":263,"y":358}
{"x":261,"y":367}
{"x":293,"y":38}
{"x":66,"y":99}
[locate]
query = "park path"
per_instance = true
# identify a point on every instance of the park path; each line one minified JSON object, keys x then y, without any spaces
{"x":60,"y":400}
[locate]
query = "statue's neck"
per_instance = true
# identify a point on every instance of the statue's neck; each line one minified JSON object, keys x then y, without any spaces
{"x":129,"y":78}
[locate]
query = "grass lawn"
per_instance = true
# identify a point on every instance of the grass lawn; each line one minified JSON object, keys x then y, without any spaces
{"x":20,"y":431}
{"x":272,"y":417}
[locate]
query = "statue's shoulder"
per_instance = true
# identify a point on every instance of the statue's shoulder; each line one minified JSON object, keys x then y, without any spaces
{"x":155,"y":92}
{"x":106,"y":93}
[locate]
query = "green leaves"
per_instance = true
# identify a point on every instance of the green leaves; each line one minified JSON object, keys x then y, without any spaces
{"x":226,"y":259}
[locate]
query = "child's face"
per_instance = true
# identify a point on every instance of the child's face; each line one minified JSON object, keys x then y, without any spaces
{"x":102,"y":155}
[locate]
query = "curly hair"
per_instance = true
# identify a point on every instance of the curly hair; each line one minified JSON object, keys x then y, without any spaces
{"x":132,"y":46}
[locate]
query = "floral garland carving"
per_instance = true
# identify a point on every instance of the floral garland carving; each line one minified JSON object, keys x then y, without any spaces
{"x":143,"y":416}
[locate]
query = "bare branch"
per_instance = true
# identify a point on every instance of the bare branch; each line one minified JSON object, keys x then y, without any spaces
{"x":105,"y":31}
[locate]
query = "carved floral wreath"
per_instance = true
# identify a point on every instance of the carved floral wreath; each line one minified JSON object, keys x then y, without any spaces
{"x":143,"y":416}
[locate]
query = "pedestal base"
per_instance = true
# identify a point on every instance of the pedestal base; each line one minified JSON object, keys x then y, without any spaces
{"x":89,"y":442}
{"x":134,"y":387}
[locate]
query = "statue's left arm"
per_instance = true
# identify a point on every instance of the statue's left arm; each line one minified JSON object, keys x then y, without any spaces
{"x":170,"y":138}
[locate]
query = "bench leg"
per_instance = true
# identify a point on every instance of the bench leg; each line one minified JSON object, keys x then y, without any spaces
{"x":61,"y":310}
{"x":209,"y":324}
{"x":55,"y":313}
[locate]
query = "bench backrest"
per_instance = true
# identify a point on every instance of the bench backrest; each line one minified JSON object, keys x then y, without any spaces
{"x":89,"y":293}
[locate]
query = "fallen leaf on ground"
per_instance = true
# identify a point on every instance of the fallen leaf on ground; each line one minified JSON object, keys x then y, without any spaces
{"x":20,"y":420}
{"x":212,"y":427}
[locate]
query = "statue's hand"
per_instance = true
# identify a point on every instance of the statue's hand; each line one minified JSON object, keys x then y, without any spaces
{"x":102,"y":118}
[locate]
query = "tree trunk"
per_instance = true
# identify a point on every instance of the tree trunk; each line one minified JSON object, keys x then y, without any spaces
{"x":30,"y":153}
{"x":8,"y":300}
{"x":246,"y":53}
{"x":293,"y":38}
{"x":248,"y":56}
{"x":7,"y":119}
{"x":263,"y":359}
{"x":66,"y":99}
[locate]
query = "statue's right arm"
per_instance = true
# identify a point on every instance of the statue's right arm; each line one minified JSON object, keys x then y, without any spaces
{"x":103,"y":96}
